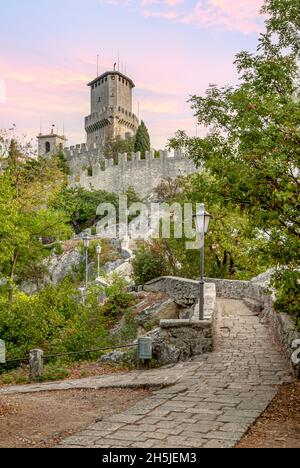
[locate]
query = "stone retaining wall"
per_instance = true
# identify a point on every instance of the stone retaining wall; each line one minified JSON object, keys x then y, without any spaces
{"x":179,"y":340}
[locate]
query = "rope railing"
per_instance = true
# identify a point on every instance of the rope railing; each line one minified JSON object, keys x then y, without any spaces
{"x":50,"y":356}
{"x":72,"y":353}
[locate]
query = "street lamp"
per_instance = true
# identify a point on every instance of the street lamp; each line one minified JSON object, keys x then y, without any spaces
{"x":86,"y":243}
{"x":202,"y":219}
{"x":98,"y":250}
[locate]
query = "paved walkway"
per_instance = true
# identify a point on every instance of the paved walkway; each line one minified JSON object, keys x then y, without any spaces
{"x":216,"y":398}
{"x":155,"y":378}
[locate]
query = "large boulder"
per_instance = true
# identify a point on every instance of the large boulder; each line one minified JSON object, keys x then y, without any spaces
{"x":59,"y":266}
{"x":115,"y":357}
{"x":155,"y":313}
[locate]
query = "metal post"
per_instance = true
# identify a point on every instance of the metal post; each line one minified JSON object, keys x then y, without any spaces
{"x":201,"y":290}
{"x":86,"y":268}
{"x":98,"y":265}
{"x":82,"y":292}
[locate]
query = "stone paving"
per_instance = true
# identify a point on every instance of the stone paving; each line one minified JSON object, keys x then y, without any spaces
{"x":214,"y":398}
{"x":154,"y":378}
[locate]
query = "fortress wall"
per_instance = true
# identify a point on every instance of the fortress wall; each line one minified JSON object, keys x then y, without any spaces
{"x":142,"y":174}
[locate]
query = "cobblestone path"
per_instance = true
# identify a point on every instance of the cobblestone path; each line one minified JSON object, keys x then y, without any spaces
{"x":216,"y":400}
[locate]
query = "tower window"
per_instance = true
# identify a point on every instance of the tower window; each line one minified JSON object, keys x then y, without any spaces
{"x":47,"y":147}
{"x":113,"y":77}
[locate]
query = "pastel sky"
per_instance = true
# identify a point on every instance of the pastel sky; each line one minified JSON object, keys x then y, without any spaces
{"x":170,"y":48}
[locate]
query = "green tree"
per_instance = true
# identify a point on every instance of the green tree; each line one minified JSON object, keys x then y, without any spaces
{"x":115,"y":146}
{"x":62,"y":162}
{"x":252,"y":146}
{"x":28,"y":187}
{"x":81,"y":205}
{"x":142,"y":140}
{"x":233,"y":248}
{"x":148,"y":264}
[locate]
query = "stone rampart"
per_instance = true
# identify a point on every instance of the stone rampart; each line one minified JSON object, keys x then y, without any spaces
{"x":89,"y":169}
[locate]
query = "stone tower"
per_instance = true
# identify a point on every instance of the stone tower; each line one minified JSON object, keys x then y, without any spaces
{"x":50,"y":144}
{"x":111,"y":109}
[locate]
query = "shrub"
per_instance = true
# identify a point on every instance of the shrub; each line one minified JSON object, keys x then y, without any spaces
{"x":58,"y":248}
{"x":147,"y":265}
{"x":130,"y":330}
{"x":53,"y":372}
{"x":286,"y":283}
{"x":118,"y":299}
{"x":56,"y":321}
{"x":53,"y":320}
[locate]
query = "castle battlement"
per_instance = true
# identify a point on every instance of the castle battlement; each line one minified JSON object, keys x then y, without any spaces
{"x":143,"y":174}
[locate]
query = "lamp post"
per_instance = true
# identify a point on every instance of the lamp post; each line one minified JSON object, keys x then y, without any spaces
{"x":202,"y":219}
{"x":98,"y":250}
{"x":86,"y":243}
{"x":83,"y":294}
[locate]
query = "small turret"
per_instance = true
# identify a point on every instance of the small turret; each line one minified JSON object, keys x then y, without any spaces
{"x":51,"y":143}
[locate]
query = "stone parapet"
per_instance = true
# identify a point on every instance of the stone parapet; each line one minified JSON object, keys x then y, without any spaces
{"x":179,"y":340}
{"x":89,"y":169}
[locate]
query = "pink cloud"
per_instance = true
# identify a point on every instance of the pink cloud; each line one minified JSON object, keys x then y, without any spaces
{"x":115,"y":2}
{"x":227,"y":15}
{"x":56,"y":90}
{"x":168,"y":15}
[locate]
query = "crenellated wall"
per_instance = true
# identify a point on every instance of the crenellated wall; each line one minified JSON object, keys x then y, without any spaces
{"x":89,"y":169}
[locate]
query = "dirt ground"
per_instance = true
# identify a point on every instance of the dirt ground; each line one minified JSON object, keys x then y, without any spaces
{"x":41,"y":420}
{"x":279,"y":425}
